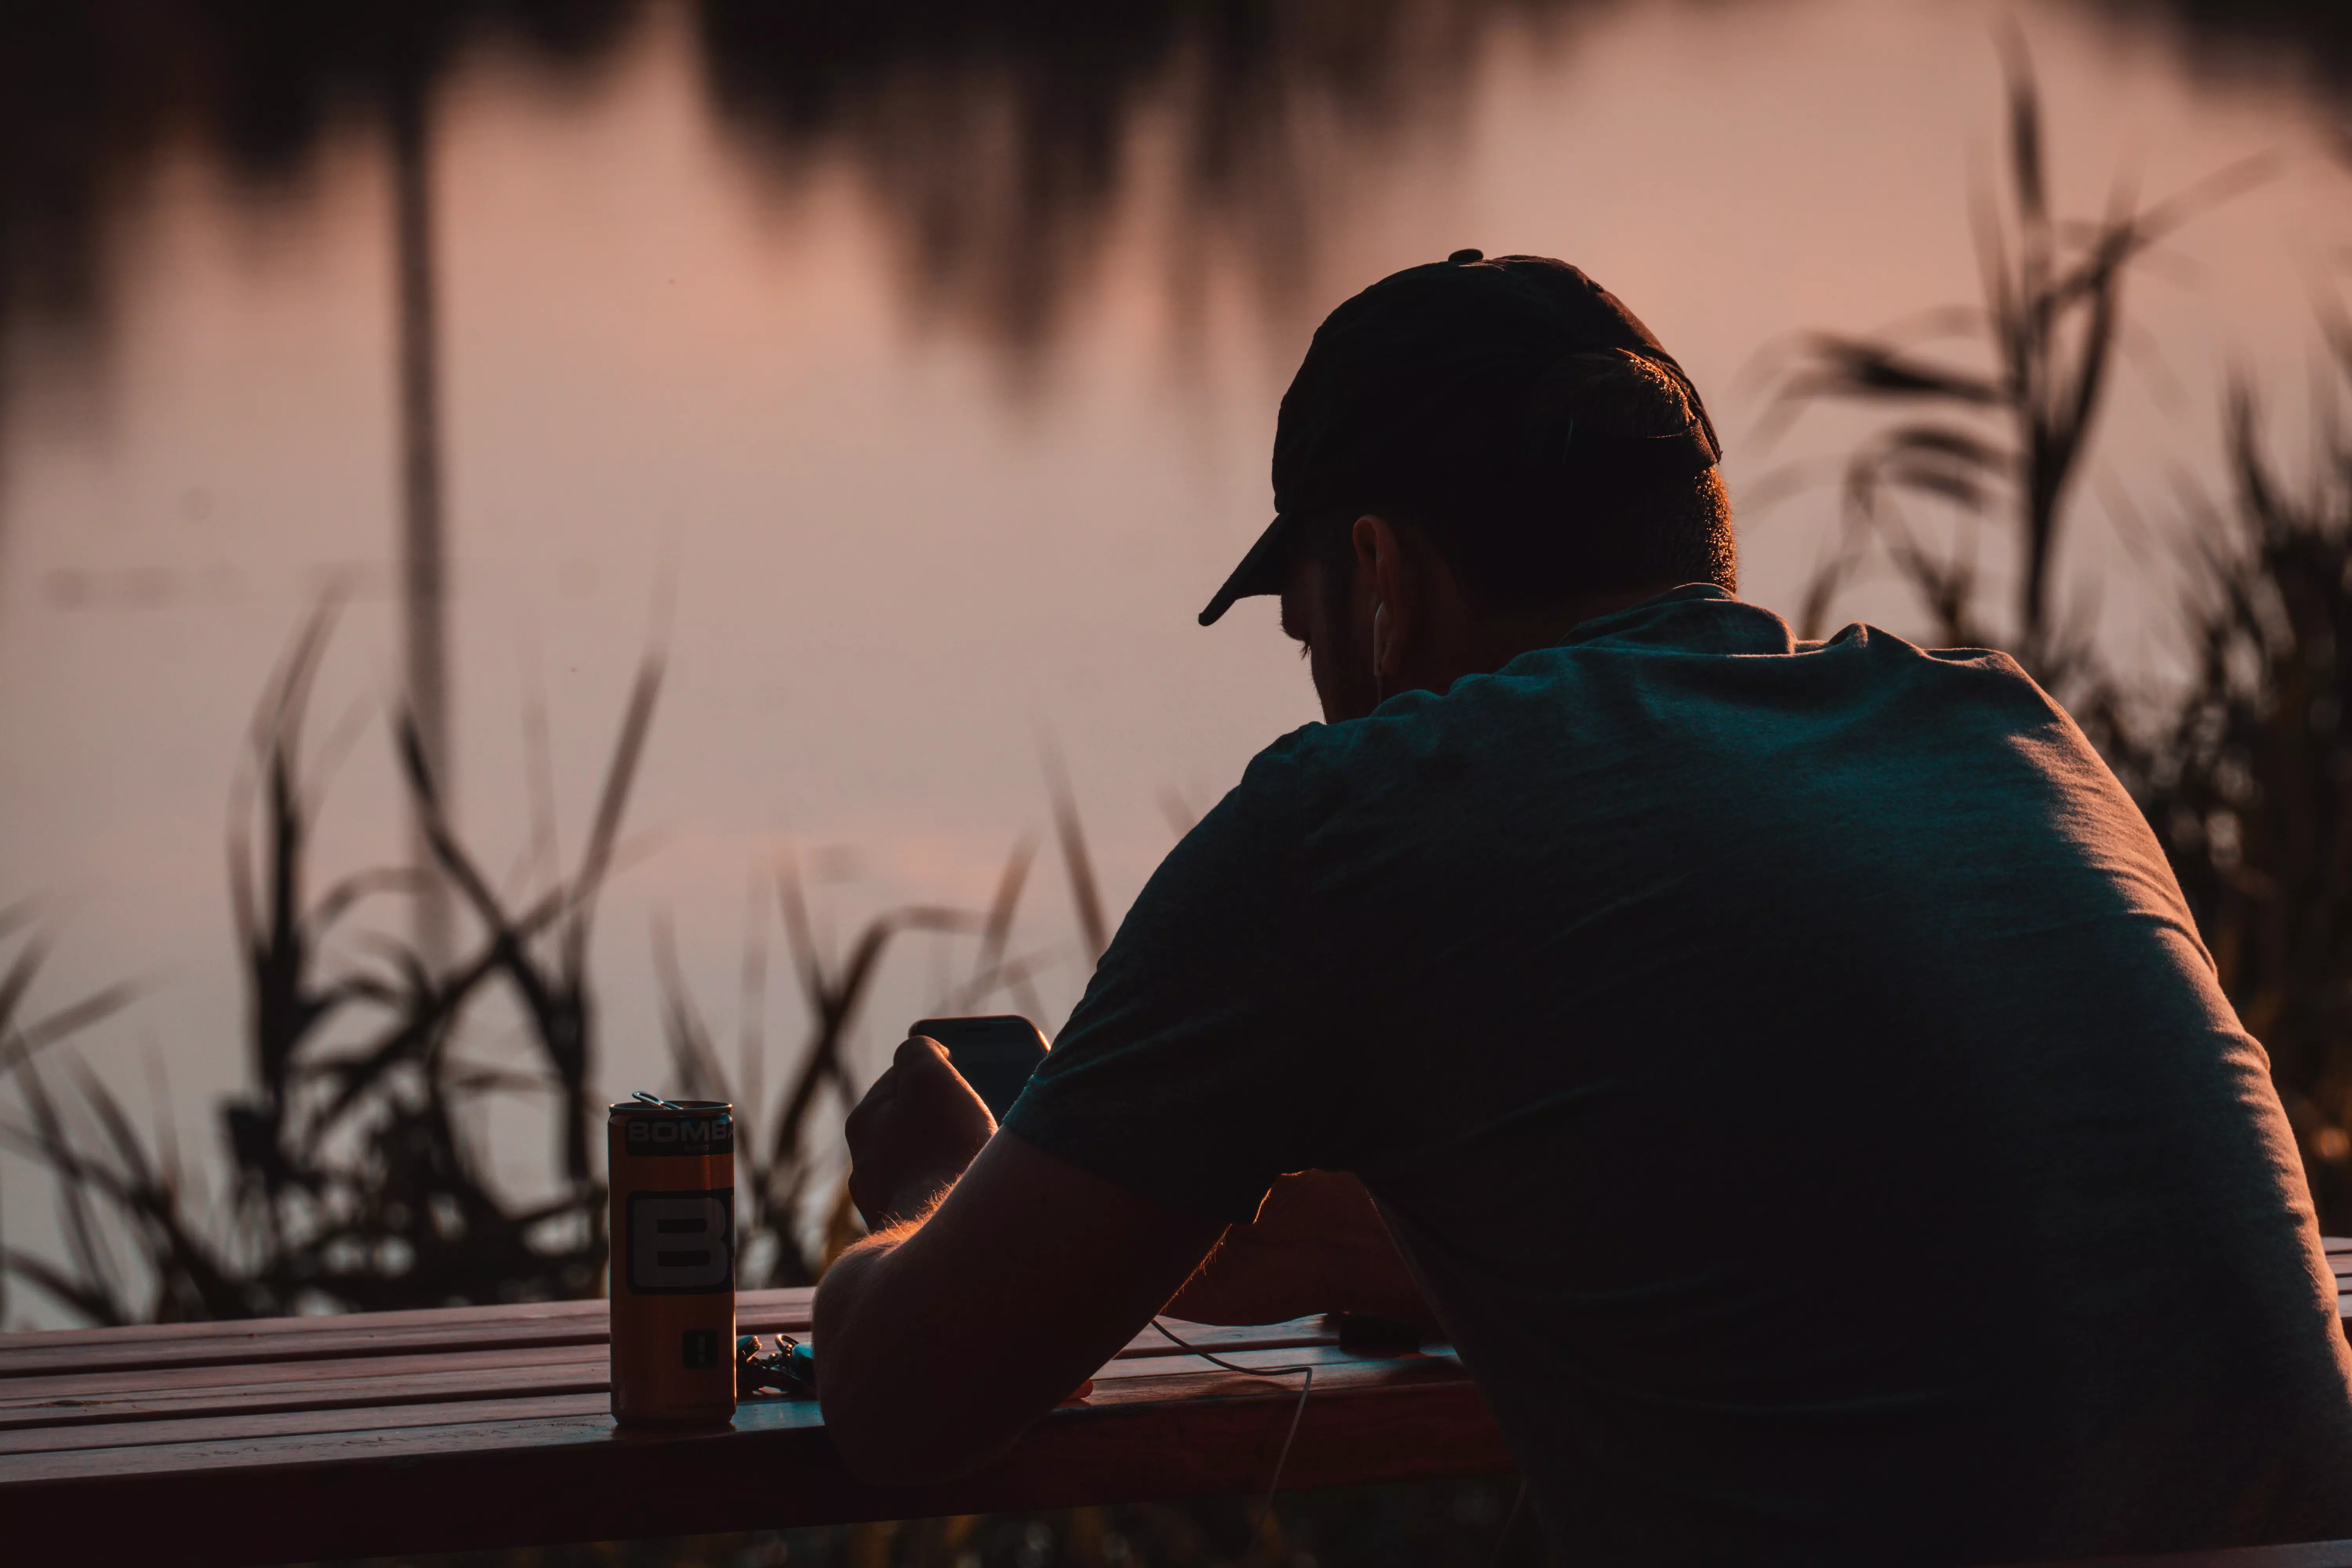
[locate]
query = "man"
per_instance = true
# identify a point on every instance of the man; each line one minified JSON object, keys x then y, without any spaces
{"x":1788,"y":1070}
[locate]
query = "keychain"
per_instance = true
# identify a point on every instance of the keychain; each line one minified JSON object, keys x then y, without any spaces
{"x":789,"y":1371}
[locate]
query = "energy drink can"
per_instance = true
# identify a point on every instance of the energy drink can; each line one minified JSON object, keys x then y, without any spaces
{"x":672,"y":1169}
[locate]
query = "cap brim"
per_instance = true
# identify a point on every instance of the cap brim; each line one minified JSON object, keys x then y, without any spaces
{"x":1261,"y":571}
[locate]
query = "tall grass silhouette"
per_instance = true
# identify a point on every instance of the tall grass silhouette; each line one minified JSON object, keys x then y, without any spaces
{"x":2247,"y":777}
{"x":2244,"y":771}
{"x":353,"y":1183}
{"x":2001,"y":442}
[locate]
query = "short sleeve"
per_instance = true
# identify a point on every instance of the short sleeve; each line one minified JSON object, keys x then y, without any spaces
{"x":1184,"y":1074}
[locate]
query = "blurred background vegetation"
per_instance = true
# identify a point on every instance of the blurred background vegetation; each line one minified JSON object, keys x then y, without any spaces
{"x":356,"y":1179}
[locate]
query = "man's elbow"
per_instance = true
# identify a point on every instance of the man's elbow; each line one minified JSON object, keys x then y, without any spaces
{"x":889,"y":1443}
{"x":879,"y":1411}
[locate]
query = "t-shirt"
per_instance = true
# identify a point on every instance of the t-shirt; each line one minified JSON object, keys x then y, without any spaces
{"x":1794,"y":1078}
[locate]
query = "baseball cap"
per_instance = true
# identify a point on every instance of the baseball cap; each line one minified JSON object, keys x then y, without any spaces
{"x":1434,"y":352}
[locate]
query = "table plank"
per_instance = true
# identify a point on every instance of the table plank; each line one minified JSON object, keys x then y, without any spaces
{"x":384,"y":1383}
{"x":62,"y":1406}
{"x":552,"y":1479}
{"x":19,"y":1396}
{"x":487,"y":1432}
{"x":2297,"y":1554}
{"x":254,"y":1425}
{"x":260,"y":1340}
{"x":79,"y":1398}
{"x":158,"y":1435}
{"x":482,"y":1377}
{"x":423,"y":1332}
{"x":195,"y":1347}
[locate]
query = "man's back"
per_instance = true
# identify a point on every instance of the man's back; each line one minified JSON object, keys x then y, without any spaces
{"x":1792,"y":1075}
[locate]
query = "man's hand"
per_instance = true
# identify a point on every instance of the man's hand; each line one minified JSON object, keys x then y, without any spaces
{"x":1318,"y":1246}
{"x":913,"y":1134}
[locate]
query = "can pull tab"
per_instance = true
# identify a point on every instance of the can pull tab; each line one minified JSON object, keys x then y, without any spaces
{"x":655,"y":1100}
{"x":791,"y":1371}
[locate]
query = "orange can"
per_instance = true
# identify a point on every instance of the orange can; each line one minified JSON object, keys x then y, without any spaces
{"x":671,"y":1165}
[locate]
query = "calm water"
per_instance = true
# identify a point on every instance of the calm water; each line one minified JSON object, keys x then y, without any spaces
{"x":925,"y":404}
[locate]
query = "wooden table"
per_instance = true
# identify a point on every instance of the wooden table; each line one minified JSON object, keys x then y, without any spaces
{"x":298,"y":1438}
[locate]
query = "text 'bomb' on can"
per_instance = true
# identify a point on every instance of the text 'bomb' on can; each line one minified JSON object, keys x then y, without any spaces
{"x":671,"y":1164}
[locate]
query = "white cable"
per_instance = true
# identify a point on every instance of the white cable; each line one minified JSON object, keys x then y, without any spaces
{"x":1305,"y":1386}
{"x":1266,"y":1510}
{"x":1510,"y":1519}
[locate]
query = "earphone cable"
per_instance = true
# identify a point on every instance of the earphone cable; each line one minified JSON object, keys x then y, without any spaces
{"x":1503,"y":1537}
{"x":1305,"y":1386}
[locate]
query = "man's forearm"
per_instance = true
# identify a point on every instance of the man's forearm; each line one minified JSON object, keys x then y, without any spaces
{"x":874,"y":1362}
{"x":940,"y":1339}
{"x":850,"y":1325}
{"x":839,"y":1312}
{"x":835,"y":1314}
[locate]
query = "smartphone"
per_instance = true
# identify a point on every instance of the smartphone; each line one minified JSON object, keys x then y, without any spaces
{"x":996,"y":1055}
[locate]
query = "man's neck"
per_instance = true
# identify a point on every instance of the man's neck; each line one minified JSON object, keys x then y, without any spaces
{"x":1460,"y":636}
{"x":1507,"y":634}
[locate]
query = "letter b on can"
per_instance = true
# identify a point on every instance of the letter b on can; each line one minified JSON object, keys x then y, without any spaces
{"x":681,"y":1243}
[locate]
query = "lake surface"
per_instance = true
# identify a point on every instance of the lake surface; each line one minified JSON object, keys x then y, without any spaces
{"x":917,"y":425}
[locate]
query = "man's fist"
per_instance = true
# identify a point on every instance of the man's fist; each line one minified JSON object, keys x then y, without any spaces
{"x":913,"y":1134}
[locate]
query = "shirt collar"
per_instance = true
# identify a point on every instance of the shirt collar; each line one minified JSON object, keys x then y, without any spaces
{"x":1697,"y":617}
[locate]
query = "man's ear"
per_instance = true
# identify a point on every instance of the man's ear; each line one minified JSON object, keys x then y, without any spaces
{"x":1396,"y":600}
{"x":1375,"y":572}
